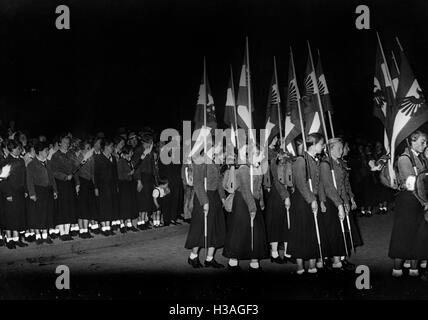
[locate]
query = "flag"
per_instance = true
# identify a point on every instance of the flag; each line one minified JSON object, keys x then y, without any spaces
{"x":394,"y":71}
{"x":292,"y":119}
{"x":310,"y":103}
{"x":410,"y":110}
{"x":205,"y":97}
{"x":243,"y":113}
{"x":322,"y":85}
{"x":230,"y":109}
{"x":273,"y":111}
{"x":383,"y":96}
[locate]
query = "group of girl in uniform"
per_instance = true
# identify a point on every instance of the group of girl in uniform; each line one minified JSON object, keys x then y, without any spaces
{"x":310,"y":217}
{"x":64,"y":190}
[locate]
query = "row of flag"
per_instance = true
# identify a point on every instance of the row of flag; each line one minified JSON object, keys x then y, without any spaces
{"x":316,"y":97}
{"x":398,"y":99}
{"x":398,"y":102}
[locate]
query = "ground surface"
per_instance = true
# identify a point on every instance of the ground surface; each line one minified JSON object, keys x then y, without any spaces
{"x":153,"y":265}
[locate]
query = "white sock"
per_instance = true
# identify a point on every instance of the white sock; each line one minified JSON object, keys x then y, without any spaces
{"x":413,"y":272}
{"x":44,"y":235}
{"x":81,"y":231}
{"x":233,"y":262}
{"x":139,"y":223}
{"x":397,"y":273}
{"x":15,"y":238}
{"x":275,"y":254}
{"x":312,"y":270}
{"x":193,"y":255}
{"x":423,"y":264}
{"x":122,"y":225}
{"x":337,"y":265}
{"x":209,"y":258}
{"x":254,"y":265}
{"x":301,"y":271}
{"x":104,"y":229}
{"x":129,"y":224}
{"x":319,"y":265}
{"x":1,"y":237}
{"x":38,"y":236}
{"x":27,"y":234}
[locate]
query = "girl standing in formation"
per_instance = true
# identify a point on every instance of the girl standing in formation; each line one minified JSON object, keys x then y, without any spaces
{"x":84,"y":177}
{"x":207,"y":202}
{"x":42,"y":190}
{"x":303,"y":244}
{"x":278,"y":203}
{"x":246,"y":231}
{"x":106,"y":186}
{"x":62,"y":165}
{"x":127,"y":191}
{"x":14,"y":217}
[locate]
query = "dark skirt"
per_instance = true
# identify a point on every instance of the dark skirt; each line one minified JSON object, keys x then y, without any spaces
{"x":303,"y":242}
{"x":108,"y":203}
{"x":14,"y":216}
{"x":335,"y":239}
{"x":238,"y":237}
{"x":216,"y":225}
{"x":276,"y":218}
{"x":128,"y":200}
{"x":40,"y":214}
{"x":421,"y":246}
{"x":86,"y":200}
{"x":66,"y":209}
{"x":408,"y":216}
{"x":144,"y":198}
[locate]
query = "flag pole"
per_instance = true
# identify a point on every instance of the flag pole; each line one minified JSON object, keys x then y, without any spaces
{"x":234,"y":107}
{"x":395,"y":62}
{"x":394,"y":90}
{"x":305,"y":148}
{"x":250,"y":109}
{"x":205,"y":157}
{"x":399,"y":44}
{"x":282,"y":143}
{"x":330,"y":118}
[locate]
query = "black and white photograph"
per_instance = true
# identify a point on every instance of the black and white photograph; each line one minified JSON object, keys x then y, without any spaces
{"x":213,"y":158}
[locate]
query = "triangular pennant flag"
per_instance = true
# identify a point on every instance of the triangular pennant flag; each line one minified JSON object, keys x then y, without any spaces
{"x":322,"y":85}
{"x":410,"y":110}
{"x":243,"y":114}
{"x":273,"y":111}
{"x":292,"y":119}
{"x":205,"y":99}
{"x":310,"y":103}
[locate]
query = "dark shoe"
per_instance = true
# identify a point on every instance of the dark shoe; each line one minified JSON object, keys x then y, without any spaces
{"x":133,"y":229}
{"x":53,"y":235}
{"x":234,"y":268}
{"x":348,"y":265}
{"x":10,"y":244}
{"x":195,"y":263}
{"x":74,"y":233}
{"x":187,"y":220}
{"x":278,"y":260}
{"x":255,"y":270}
{"x":68,"y":237}
{"x":39,"y":241}
{"x":81,"y":235}
{"x":123,"y":230}
{"x":105,"y":233}
{"x":96,"y":231}
{"x":21,"y":244}
{"x":214,"y":264}
{"x":88,"y":235}
{"x":289,"y":260}
{"x":48,"y":240}
{"x":142,"y":227}
{"x":2,"y":243}
{"x":111,"y":233}
{"x":63,"y":237}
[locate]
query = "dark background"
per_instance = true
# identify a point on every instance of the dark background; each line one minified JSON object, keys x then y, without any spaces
{"x":135,"y":63}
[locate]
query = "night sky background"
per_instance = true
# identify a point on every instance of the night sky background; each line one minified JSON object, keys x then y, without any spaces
{"x":138,"y":63}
